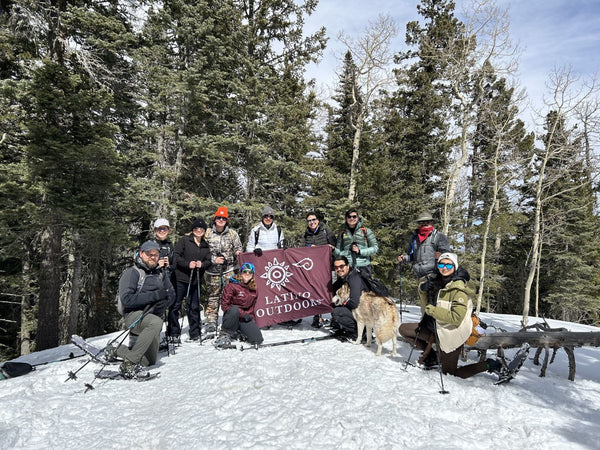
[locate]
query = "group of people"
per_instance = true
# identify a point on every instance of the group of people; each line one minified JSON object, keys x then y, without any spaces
{"x":210,"y":252}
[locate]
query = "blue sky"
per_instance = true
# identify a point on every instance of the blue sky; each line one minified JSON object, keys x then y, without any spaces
{"x":550,"y":33}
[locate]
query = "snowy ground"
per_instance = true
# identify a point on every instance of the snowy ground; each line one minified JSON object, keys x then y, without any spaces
{"x":321,"y":395}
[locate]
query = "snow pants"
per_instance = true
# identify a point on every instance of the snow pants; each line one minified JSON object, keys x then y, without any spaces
{"x":449,"y":360}
{"x":145,"y":349}
{"x":343,"y":316}
{"x":233,"y":324}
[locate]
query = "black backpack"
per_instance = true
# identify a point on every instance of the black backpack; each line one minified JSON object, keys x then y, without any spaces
{"x":14,"y":369}
{"x":374,"y":285}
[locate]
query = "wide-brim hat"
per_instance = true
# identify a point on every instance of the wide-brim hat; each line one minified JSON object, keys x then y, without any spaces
{"x":425,"y":216}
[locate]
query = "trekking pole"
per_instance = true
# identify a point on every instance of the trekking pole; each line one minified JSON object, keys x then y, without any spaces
{"x":439,"y":358}
{"x":73,"y":375}
{"x":184,"y":301}
{"x":400,"y":283}
{"x":199,"y":312}
{"x":412,"y":348}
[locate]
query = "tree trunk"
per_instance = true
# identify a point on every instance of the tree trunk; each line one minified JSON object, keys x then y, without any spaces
{"x":355,"y":155}
{"x":27,"y":323}
{"x":453,"y":179}
{"x":70,"y":299}
{"x":50,"y":281}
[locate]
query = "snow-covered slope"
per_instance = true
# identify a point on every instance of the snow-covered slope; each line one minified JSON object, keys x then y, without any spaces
{"x":321,"y":395}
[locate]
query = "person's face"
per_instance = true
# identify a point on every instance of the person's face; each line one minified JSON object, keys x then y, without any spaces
{"x":220,"y":222}
{"x":198,"y":232}
{"x":161,"y":233}
{"x":443,"y":267}
{"x":425,"y":223}
{"x":247,"y":276}
{"x":352,"y":219}
{"x":267,"y":219}
{"x":341,"y":268}
{"x":150,"y":258}
{"x":312,"y":222}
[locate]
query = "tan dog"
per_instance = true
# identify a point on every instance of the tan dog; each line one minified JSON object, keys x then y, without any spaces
{"x":376,"y":313}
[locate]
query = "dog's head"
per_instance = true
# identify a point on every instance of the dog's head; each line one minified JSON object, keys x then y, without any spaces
{"x":342,"y":295}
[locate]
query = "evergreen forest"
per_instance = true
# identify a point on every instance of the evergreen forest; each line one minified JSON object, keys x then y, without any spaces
{"x":116,"y":112}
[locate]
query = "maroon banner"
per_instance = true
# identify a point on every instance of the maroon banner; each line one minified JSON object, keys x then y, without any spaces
{"x":291,"y":283}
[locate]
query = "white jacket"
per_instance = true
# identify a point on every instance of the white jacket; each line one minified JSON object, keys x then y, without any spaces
{"x":268,"y":239}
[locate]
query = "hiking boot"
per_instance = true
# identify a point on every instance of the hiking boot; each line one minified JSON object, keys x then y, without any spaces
{"x":431,"y":359}
{"x":210,"y":327}
{"x":176,"y":340}
{"x":316,"y":323}
{"x":223,"y":341}
{"x":131,"y":370}
{"x":493,"y":366}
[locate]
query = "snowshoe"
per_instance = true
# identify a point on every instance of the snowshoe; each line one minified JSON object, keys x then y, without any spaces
{"x":510,"y":371}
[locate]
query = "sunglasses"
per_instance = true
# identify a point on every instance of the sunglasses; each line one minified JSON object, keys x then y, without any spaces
{"x":247,"y":271}
{"x":163,"y":229}
{"x":268,"y":217}
{"x":448,"y":266}
{"x":352,"y":216}
{"x":339,"y":266}
{"x":220,"y":218}
{"x":311,"y":220}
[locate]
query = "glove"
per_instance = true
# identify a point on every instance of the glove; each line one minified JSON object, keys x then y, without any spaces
{"x":161,"y":294}
{"x":430,"y":310}
{"x":161,"y":304}
{"x":258,"y":251}
{"x":246,"y":318}
{"x":426,"y":285}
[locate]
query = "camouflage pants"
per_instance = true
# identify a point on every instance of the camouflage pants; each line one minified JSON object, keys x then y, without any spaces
{"x":214,"y":289}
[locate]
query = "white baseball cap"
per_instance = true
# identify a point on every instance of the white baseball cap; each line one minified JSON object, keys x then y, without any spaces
{"x":161,"y":223}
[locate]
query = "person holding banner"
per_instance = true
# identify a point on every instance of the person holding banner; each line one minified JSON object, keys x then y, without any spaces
{"x":342,"y":315}
{"x":239,"y":298}
{"x":317,"y":234}
{"x":357,"y":243}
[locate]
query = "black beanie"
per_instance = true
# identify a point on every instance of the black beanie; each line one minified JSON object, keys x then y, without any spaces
{"x":198,"y":223}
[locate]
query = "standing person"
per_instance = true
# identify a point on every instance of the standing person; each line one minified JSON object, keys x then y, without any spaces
{"x":342,"y":315}
{"x":155,"y":291}
{"x":425,"y":247}
{"x":267,"y":235}
{"x":446,"y":306}
{"x":162,"y":229}
{"x":192,"y":256}
{"x":357,"y":243}
{"x":225,"y":246}
{"x":317,"y":234}
{"x":239,"y":298}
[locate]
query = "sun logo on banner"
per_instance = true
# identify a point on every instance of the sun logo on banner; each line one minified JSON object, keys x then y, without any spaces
{"x":276,"y":274}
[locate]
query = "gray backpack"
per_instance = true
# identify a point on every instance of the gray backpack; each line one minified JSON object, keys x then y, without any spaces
{"x":141,"y":279}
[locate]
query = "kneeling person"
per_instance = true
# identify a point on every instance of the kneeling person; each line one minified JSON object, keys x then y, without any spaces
{"x":239,"y":298}
{"x":143,"y":307}
{"x":342,"y":315}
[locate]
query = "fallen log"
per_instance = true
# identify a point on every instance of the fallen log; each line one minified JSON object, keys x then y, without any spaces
{"x":543,"y":340}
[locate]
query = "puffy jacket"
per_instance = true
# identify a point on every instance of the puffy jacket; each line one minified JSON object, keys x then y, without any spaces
{"x":363,"y":237}
{"x":356,"y":285}
{"x":268,"y":238}
{"x":156,"y":288}
{"x":321,"y":236}
{"x":422,"y":254}
{"x":238,"y":294}
{"x":226,"y":243}
{"x":187,"y":251}
{"x":452,"y":312}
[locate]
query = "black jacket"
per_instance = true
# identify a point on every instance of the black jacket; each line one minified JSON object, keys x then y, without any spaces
{"x":356,"y":285}
{"x":187,"y":251}
{"x":155,"y":290}
{"x":322,"y":236}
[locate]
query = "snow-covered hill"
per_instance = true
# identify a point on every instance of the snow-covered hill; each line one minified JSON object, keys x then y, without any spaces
{"x":322,"y":395}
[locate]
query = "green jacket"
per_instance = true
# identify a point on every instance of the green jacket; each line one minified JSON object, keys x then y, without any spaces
{"x":452,"y":313}
{"x":363,"y":237}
